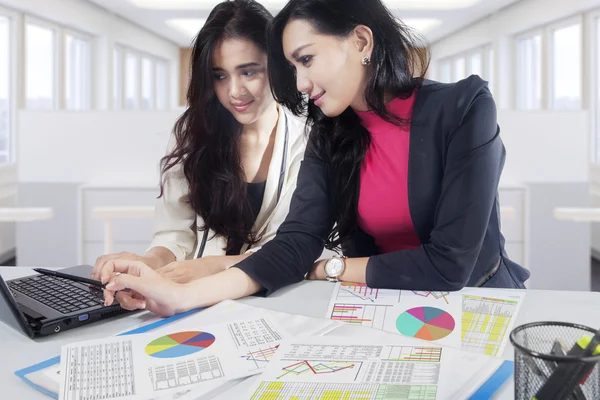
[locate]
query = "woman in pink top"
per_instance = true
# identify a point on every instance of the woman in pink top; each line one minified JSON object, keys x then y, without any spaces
{"x":401,"y":173}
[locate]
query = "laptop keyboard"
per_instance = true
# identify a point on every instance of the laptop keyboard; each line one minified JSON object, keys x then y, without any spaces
{"x":59,"y":294}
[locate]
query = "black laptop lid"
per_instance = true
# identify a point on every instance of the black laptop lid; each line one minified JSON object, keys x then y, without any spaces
{"x":10,"y":312}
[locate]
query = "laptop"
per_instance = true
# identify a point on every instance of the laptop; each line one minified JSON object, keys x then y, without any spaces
{"x":41,"y":305}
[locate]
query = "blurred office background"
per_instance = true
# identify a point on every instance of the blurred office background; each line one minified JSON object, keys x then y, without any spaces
{"x":90,"y":89}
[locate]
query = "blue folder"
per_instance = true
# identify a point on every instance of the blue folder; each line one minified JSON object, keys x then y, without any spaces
{"x":22,"y":373}
{"x":495,"y":382}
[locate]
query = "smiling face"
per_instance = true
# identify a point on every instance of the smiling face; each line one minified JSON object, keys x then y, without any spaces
{"x":241,"y":81}
{"x":329,"y":69}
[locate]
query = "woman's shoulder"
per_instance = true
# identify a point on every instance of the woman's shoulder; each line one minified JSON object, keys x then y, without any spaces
{"x":454,"y":100}
{"x":463,"y":92}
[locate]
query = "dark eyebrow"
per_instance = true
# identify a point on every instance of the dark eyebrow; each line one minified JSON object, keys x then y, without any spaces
{"x":250,"y":64}
{"x":241,"y":66}
{"x":299,"y":49}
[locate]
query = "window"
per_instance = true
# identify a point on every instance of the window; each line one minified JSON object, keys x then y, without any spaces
{"x":459,"y":72}
{"x":529,"y":72}
{"x":488,"y":75}
{"x":5,"y":88}
{"x":161,"y":85}
{"x":445,"y":71}
{"x":597,"y":70}
{"x":78,"y":73}
{"x":117,"y":78}
{"x":475,"y":64}
{"x":132,"y":81}
{"x":148,"y":82}
{"x":565,"y":83}
{"x":40,"y":78}
{"x":140,"y":81}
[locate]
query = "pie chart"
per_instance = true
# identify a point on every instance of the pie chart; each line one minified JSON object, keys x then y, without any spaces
{"x":179,"y":344}
{"x":427,"y":323}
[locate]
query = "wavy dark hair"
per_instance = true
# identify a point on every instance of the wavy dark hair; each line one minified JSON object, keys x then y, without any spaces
{"x":207,"y":135}
{"x":398,"y":64}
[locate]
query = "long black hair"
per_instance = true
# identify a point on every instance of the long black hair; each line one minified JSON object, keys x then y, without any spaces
{"x":399,"y":63}
{"x":207,"y":135}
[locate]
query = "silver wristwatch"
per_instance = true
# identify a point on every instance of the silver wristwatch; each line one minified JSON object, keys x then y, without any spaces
{"x":334,"y":268}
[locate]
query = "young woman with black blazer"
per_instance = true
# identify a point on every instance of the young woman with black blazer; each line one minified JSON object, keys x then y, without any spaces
{"x":400,"y":172}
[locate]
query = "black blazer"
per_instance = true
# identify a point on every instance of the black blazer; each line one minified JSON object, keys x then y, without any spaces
{"x":456,"y":158}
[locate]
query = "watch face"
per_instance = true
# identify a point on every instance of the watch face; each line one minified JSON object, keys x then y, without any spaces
{"x":334,"y":267}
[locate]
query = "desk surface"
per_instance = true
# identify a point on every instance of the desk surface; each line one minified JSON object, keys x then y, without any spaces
{"x":306,"y":298}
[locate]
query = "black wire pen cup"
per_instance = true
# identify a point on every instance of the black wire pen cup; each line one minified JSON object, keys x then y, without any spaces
{"x":556,"y":361}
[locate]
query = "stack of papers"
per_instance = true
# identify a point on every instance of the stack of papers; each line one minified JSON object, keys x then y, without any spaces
{"x":473,"y":320}
{"x":349,"y":368}
{"x":373,"y":344}
{"x":227,"y":341}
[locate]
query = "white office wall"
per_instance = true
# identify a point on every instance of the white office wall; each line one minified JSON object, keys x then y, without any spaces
{"x":104,"y":147}
{"x":125,"y":146}
{"x":8,"y":198}
{"x":108,"y":29}
{"x":545,"y":146}
{"x":519,"y":17}
{"x":500,"y":28}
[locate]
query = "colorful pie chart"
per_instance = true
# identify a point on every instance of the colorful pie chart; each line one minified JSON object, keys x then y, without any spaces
{"x":427,"y":323}
{"x":179,"y":344}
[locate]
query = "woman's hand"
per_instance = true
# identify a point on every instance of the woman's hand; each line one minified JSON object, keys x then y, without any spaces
{"x":149,"y":290}
{"x":190,"y":270}
{"x":153,"y":261}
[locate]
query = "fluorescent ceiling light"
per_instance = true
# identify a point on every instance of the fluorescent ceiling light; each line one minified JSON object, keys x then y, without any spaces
{"x":188,"y":26}
{"x":191,"y":26}
{"x":430,"y":4}
{"x":422,"y":25}
{"x":173,"y":4}
{"x":193,"y":4}
{"x":209,"y":4}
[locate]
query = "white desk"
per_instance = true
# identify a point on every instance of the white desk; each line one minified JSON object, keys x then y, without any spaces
{"x":27,"y":214}
{"x":306,"y":298}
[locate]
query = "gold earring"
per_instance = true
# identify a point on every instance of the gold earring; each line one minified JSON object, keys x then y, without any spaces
{"x":366,"y":60}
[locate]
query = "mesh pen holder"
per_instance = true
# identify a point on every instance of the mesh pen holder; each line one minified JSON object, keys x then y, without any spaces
{"x":537,"y":360}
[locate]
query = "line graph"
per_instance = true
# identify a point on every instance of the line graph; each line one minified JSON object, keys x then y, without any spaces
{"x":349,"y":291}
{"x":260,"y":357}
{"x":436,"y":295}
{"x":315,"y":368}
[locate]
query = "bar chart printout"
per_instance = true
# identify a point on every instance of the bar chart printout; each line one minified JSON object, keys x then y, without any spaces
{"x":372,"y":316}
{"x":417,"y":354}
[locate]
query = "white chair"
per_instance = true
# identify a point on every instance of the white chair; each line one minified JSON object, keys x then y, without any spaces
{"x":577,"y":214}
{"x":25,"y":214}
{"x":109,"y":214}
